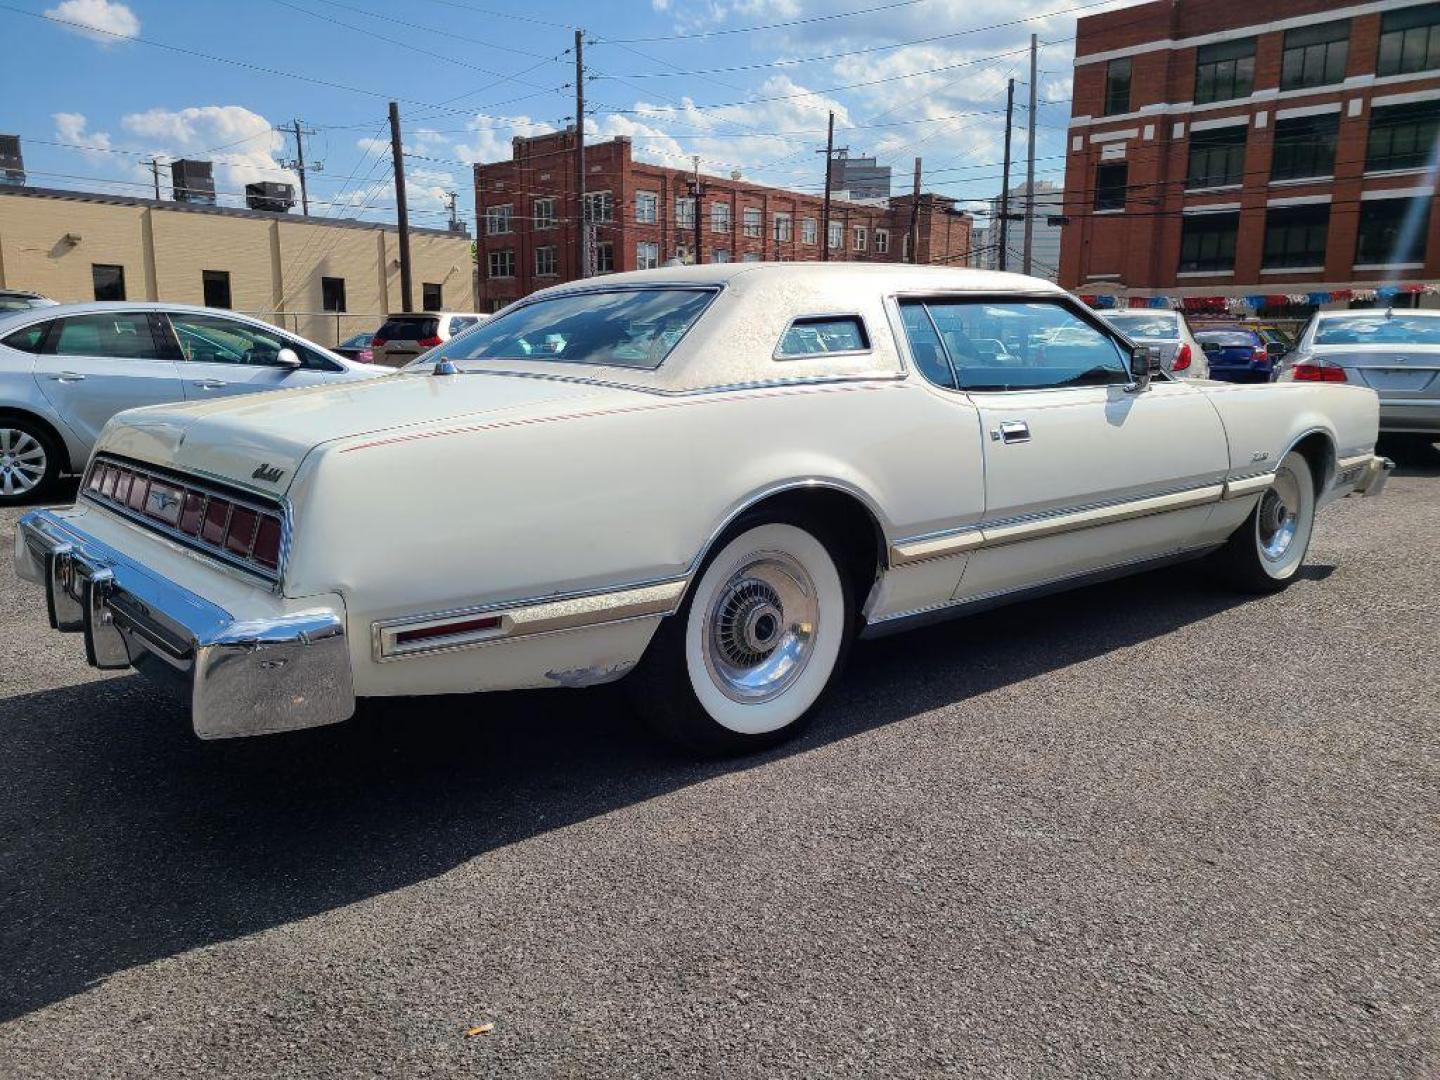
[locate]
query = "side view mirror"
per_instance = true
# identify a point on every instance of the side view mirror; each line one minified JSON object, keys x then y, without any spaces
{"x":1144,"y":365}
{"x":288,"y":358}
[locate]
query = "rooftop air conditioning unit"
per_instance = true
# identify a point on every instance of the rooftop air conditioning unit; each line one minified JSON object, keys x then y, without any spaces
{"x":12,"y":165}
{"x":269,"y":196}
{"x":193,"y":181}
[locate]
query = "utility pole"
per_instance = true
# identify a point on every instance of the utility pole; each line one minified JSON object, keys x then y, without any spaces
{"x":154,"y":164}
{"x":451,"y":197}
{"x":915,"y":215}
{"x":1030,"y":162}
{"x":697,"y":189}
{"x":1005,"y":182}
{"x":830,"y":152}
{"x":582,"y":245}
{"x":298,"y":163}
{"x":403,"y":214}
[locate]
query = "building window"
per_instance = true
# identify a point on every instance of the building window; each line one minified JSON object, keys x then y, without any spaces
{"x":720,"y":255}
{"x":860,"y":238}
{"x":782,"y":227}
{"x":599,"y":208}
{"x":1315,"y":55}
{"x":109,"y":281}
{"x":1224,"y":71}
{"x":332,"y":293}
{"x":216,"y":284}
{"x":547,"y":263}
{"x":882,"y":241}
{"x":720,"y":217}
{"x":1207,"y":242}
{"x":1295,"y":235}
{"x":685,"y":213}
{"x":647,"y":255}
{"x":1409,"y":40}
{"x":1392,"y":231}
{"x":432,"y":296}
{"x":498,"y":220}
{"x":754,"y":222}
{"x":835,"y":234}
{"x":1305,"y":146}
{"x":1111,"y":182}
{"x":1403,"y":136}
{"x":604,"y":257}
{"x":1217,"y":157}
{"x":809,"y":230}
{"x":1117,"y":86}
{"x":501,"y":264}
{"x":751,"y":256}
{"x":647,"y":208}
{"x":544,"y":213}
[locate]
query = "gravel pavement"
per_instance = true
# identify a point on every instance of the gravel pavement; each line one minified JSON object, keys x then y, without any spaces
{"x":1144,"y":829}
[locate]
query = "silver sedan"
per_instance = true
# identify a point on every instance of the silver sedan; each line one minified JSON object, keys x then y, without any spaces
{"x":1394,"y":352}
{"x":66,"y":369}
{"x":1168,"y":334}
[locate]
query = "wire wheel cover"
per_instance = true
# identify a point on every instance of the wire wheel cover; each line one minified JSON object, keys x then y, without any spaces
{"x":760,"y":627}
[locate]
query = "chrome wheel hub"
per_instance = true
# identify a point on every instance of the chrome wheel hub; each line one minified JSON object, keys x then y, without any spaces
{"x":1277,"y":521}
{"x":760,"y":627}
{"x":22,"y":461}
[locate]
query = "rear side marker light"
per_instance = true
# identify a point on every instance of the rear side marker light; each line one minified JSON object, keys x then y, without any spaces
{"x":1318,"y":373}
{"x":464,"y":626}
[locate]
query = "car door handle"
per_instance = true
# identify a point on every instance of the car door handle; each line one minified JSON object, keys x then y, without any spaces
{"x":1011,"y":431}
{"x":68,"y":377}
{"x":209,"y":384}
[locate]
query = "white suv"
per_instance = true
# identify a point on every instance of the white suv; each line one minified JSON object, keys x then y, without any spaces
{"x":404,"y":337}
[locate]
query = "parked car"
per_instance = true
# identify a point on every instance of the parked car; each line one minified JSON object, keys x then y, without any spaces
{"x":20,"y":300}
{"x":356,"y":347}
{"x":1277,"y":341}
{"x":654,"y":475}
{"x":1169,"y":334}
{"x":1237,"y":354}
{"x":404,"y":337}
{"x":66,"y":369}
{"x":1394,"y":353}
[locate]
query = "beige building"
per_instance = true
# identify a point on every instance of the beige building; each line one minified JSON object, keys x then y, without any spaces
{"x":325,"y":278}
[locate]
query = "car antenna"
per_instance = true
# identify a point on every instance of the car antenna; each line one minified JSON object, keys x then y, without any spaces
{"x":445,"y":366}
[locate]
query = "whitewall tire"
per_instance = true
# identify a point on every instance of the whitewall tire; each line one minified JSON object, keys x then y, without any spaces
{"x":762,"y":634}
{"x":1265,"y":554}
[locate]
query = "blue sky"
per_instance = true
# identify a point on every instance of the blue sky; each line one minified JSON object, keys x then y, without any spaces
{"x":746,"y":84}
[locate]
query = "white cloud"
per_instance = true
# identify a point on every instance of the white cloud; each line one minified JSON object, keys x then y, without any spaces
{"x":104,"y":21}
{"x":72,"y":129}
{"x":242,"y":144}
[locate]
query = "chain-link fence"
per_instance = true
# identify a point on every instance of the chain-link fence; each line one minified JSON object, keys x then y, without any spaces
{"x":327,"y":328}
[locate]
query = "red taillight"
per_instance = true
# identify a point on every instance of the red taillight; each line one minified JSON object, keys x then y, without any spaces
{"x":267,"y":542}
{"x":191,"y":515}
{"x":139,"y":487}
{"x":1182,"y":358}
{"x":217,"y":514}
{"x":461,"y":626}
{"x":1318,"y":373}
{"x":376,"y":341}
{"x":1260,"y":355}
{"x":241,"y":533}
{"x":429,"y":342}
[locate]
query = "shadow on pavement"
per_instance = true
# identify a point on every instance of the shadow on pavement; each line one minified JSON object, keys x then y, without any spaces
{"x":123,"y":839}
{"x":1413,"y":455}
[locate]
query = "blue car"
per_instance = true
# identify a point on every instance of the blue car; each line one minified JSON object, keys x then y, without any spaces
{"x":1238,"y":354}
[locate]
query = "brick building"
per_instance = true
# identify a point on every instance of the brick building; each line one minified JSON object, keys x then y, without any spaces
{"x":644,"y":215}
{"x":1234,"y":147}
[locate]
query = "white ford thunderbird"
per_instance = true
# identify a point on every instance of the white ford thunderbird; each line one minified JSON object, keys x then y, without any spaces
{"x":712,"y":477}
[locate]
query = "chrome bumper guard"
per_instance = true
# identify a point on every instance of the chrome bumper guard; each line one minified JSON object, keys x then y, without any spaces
{"x":1373,"y":477}
{"x":245,"y":677}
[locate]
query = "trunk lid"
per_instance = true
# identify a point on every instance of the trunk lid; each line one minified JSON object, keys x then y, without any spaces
{"x":1392,"y":371}
{"x":258,"y":441}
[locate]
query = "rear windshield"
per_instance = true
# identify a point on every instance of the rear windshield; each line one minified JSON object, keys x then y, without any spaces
{"x":408,"y":328}
{"x":631,"y":328}
{"x":1225,"y":337}
{"x":1146,"y":326}
{"x":1378,"y":330}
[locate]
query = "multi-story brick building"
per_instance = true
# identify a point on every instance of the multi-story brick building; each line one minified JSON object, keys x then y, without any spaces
{"x":644,"y":215}
{"x":1236,"y":147}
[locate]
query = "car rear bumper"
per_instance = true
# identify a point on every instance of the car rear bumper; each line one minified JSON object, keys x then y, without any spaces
{"x":244,"y":677}
{"x":1374,"y":474}
{"x":1418,"y":416}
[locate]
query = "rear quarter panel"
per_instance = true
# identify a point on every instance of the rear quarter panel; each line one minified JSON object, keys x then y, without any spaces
{"x":1263,"y":421}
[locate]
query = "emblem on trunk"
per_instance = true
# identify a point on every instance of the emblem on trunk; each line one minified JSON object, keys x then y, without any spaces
{"x":268,"y":473}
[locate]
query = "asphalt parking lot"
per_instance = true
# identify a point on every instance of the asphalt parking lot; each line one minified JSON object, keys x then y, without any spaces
{"x":1145,"y":829}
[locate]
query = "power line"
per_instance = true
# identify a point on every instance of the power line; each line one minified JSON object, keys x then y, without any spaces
{"x":723,"y":31}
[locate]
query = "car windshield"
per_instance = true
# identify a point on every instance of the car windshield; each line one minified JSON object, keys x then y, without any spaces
{"x":631,"y":328}
{"x":356,"y":341}
{"x":1378,"y":329}
{"x":1225,"y":337}
{"x":1165,"y":327}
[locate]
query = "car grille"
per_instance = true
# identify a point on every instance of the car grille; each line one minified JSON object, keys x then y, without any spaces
{"x":235,"y":530}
